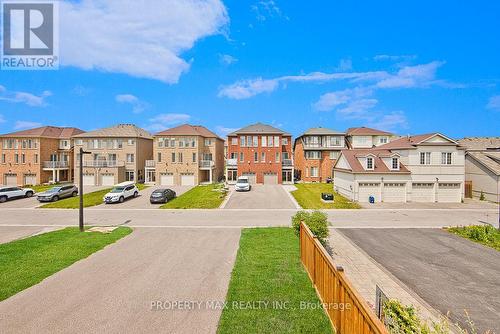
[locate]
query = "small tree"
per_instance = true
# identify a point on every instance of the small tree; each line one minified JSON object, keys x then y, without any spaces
{"x":317,"y":222}
{"x":481,"y":197}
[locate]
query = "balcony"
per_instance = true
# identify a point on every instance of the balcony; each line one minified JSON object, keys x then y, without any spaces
{"x":150,"y":163}
{"x":55,"y":164}
{"x":101,"y":163}
{"x":321,"y":146}
{"x":287,"y":163}
{"x":232,"y":162}
{"x":207,"y":164}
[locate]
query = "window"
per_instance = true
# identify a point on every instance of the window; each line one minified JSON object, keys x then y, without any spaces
{"x":3,"y":158}
{"x":369,"y":163}
{"x":277,"y":157}
{"x":249,"y":141}
{"x":16,"y":158}
{"x":161,"y":142}
{"x":159,"y":157}
{"x":173,"y":156}
{"x":242,"y":157}
{"x":270,"y":141}
{"x":395,"y":164}
{"x":234,"y":155}
{"x":263,"y":157}
{"x":383,"y":140}
{"x":284,"y":141}
{"x":208,"y":142}
{"x":263,"y":140}
{"x":286,"y":155}
{"x":425,"y":158}
{"x":276,"y":141}
{"x":129,"y":175}
{"x":23,"y":158}
{"x":313,"y":155}
{"x":130,"y":158}
{"x":243,"y":141}
{"x":130,"y":141}
{"x":334,"y":155}
{"x":180,"y":157}
{"x":234,"y":141}
{"x":446,"y":158}
{"x":314,"y":171}
{"x":255,"y":140}
{"x":255,"y":157}
{"x":194,"y":157}
{"x":172,"y":142}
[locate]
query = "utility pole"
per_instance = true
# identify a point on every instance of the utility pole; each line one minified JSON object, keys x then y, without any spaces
{"x":80,"y":220}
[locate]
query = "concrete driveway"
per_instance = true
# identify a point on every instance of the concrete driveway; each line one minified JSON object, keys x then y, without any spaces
{"x":142,"y":201}
{"x":450,"y":273}
{"x":260,"y":197}
{"x":113,"y":290}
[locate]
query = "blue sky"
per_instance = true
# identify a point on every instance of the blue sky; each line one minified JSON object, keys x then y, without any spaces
{"x":409,"y":67}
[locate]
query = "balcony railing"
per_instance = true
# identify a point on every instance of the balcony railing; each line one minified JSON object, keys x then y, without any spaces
{"x":207,"y":163}
{"x":55,"y":164}
{"x":319,"y":145}
{"x":287,"y":162}
{"x":232,"y":162}
{"x":150,"y":164}
{"x":101,"y":163}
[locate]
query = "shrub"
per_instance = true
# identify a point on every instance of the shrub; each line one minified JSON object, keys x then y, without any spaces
{"x":400,"y":319}
{"x":481,"y":197}
{"x":317,"y":222}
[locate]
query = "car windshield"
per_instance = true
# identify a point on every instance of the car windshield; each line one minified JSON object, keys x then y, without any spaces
{"x":54,"y":190}
{"x":117,"y":190}
{"x":158,"y":191}
{"x":242,"y":181}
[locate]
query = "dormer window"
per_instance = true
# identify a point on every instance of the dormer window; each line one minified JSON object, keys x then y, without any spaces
{"x":369,"y":163}
{"x":395,"y":163}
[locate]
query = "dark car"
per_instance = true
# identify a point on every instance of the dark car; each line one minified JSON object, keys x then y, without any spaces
{"x":162,"y":196}
{"x":56,"y":193}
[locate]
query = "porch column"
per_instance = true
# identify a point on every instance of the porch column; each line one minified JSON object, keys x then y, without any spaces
{"x":210,"y":175}
{"x":57,"y":175}
{"x":53,"y":175}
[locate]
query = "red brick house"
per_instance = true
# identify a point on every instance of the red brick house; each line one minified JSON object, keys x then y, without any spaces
{"x":315,"y":153}
{"x":261,"y":152}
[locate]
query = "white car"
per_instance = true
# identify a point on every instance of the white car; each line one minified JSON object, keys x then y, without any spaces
{"x":7,"y":193}
{"x":121,"y":192}
{"x":242,"y":184}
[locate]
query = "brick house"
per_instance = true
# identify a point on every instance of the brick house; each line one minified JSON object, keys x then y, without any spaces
{"x":261,"y":152}
{"x":315,"y":153}
{"x":118,"y":154}
{"x":186,"y":155}
{"x":37,"y":156}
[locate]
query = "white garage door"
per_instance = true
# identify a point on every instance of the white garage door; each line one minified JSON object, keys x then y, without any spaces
{"x":88,"y":180}
{"x":108,"y":180}
{"x":365,"y":190}
{"x":30,"y":179}
{"x":270,"y":178}
{"x":10,"y":179}
{"x":167,"y":179}
{"x":394,"y":193}
{"x":187,"y":180}
{"x":449,"y":193}
{"x":252,"y":179}
{"x":422,"y":192}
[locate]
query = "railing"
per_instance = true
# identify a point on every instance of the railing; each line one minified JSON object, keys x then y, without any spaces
{"x":150,"y":163}
{"x":55,"y":164}
{"x":313,"y":146}
{"x":232,"y":162}
{"x":287,"y":162}
{"x":348,"y":312}
{"x":206,"y":164}
{"x":102,"y":163}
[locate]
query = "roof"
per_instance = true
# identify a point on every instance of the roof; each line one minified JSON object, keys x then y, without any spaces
{"x":188,"y":130}
{"x":322,"y":131}
{"x":364,"y":131}
{"x":120,"y":130}
{"x":380,"y":167}
{"x":259,"y":128}
{"x":46,"y":132}
{"x":490,"y":160}
{"x":411,"y":142}
{"x":480,"y":143}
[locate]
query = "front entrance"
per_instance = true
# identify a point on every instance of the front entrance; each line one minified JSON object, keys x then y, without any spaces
{"x":287,"y":176}
{"x":150,"y":176}
{"x":232,"y":175}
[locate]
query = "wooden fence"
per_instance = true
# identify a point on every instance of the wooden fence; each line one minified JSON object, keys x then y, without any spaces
{"x":348,"y":312}
{"x":468,"y":189}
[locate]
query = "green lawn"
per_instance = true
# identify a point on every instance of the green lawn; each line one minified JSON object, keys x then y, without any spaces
{"x":200,"y":197}
{"x":268,"y":269}
{"x":308,"y":195}
{"x":89,"y":199}
{"x":484,"y":234}
{"x":141,"y":186}
{"x":26,"y":262}
{"x":42,"y":187}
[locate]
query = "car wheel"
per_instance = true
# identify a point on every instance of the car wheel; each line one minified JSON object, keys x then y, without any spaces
{"x":136,"y":194}
{"x":29,"y":194}
{"x":55,"y":198}
{"x":3,"y":199}
{"x":121,"y":199}
{"x":74,"y":194}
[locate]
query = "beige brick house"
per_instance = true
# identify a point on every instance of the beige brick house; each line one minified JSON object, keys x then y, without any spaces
{"x":118,"y":154}
{"x":186,"y":155}
{"x":37,"y":156}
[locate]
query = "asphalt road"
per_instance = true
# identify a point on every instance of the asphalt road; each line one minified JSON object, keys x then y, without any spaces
{"x":261,"y":197}
{"x":113,"y":290}
{"x":450,"y":273}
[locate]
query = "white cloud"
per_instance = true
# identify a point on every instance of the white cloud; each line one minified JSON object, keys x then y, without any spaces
{"x":390,"y":122}
{"x":227,"y":59}
{"x":266,"y":9}
{"x":138,"y":38}
{"x":80,"y":90}
{"x":394,"y":58}
{"x":331,"y":100}
{"x":164,"y":121}
{"x":249,"y":88}
{"x":224,"y":131}
{"x":138,"y":106}
{"x":412,"y":76}
{"x":494,"y":103}
{"x":29,"y":99}
{"x":358,"y":108}
{"x":21,"y":125}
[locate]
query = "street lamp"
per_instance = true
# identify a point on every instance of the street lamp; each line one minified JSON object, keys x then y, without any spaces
{"x":80,"y":220}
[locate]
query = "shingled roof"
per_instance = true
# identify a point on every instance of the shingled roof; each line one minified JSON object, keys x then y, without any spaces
{"x":480,"y":143}
{"x":490,"y":160}
{"x":379,"y":166}
{"x":411,"y":142}
{"x":364,"y":131}
{"x":46,"y":132}
{"x":259,"y":128}
{"x":188,"y":130}
{"x":117,"y":131}
{"x":322,"y":131}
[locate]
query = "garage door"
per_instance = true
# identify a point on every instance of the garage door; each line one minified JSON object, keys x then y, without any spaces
{"x":365,"y":190}
{"x":270,"y":178}
{"x":187,"y":180}
{"x":422,"y":192}
{"x":449,"y":193}
{"x":88,"y":180}
{"x":167,"y":179}
{"x":10,"y":179}
{"x":108,"y":180}
{"x":251,"y":177}
{"x":30,"y":179}
{"x":394,"y":193}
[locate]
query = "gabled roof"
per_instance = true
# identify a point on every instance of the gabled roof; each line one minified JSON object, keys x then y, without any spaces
{"x":46,"y":132}
{"x":188,"y":130}
{"x":411,"y":142}
{"x":321,"y":131}
{"x":490,"y":160}
{"x":479,"y":144}
{"x":119,"y":131}
{"x":379,"y":166}
{"x":364,"y":131}
{"x":259,"y":128}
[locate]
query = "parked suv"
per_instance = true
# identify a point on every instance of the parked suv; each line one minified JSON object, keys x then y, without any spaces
{"x":162,"y":196}
{"x":56,"y":193}
{"x":7,"y":193}
{"x":242,"y":184}
{"x":121,"y":192}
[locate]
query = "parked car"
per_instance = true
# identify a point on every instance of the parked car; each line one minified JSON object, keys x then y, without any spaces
{"x":242,"y":184}
{"x":121,"y":192}
{"x":8,"y":193}
{"x":162,"y":196}
{"x":56,"y":193}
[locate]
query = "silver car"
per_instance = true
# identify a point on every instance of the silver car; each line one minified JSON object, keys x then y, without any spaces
{"x":56,"y":193}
